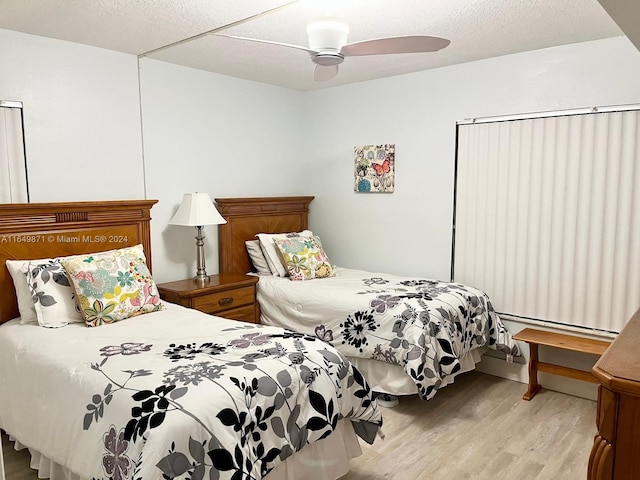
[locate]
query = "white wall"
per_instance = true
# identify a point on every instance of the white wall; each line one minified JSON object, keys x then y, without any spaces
{"x":409,"y":231}
{"x":202,"y":131}
{"x":81,"y":117}
{"x":217,"y":134}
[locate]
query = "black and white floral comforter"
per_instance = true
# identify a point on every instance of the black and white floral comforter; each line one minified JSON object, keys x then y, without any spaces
{"x":423,"y":325}
{"x":175,"y":394}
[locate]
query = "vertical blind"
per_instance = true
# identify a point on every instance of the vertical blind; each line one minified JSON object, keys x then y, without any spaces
{"x":13,"y":171}
{"x":547,"y":216}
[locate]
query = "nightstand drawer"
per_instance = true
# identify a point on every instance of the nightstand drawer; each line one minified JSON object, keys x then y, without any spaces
{"x":225,"y":300}
{"x":245,"y":314}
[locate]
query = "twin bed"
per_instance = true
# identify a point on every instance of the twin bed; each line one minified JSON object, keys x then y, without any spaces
{"x":406,"y":335}
{"x":172,"y":393}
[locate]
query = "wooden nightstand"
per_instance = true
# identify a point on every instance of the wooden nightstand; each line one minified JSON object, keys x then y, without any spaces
{"x":229,"y":295}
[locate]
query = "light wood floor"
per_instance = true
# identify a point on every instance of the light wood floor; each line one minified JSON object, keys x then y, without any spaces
{"x":478,"y":428}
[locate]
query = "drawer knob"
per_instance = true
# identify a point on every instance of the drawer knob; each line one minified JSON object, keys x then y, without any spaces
{"x":225,"y":301}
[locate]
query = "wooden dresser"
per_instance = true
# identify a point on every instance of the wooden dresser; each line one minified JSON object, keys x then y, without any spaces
{"x":616,"y":448}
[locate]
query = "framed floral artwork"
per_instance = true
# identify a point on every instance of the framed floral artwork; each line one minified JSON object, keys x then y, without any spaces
{"x":374,"y":168}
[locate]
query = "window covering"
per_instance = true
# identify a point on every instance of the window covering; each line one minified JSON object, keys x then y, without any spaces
{"x":547,"y":216}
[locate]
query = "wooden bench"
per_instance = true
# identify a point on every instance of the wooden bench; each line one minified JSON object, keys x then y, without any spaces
{"x":536,"y":338}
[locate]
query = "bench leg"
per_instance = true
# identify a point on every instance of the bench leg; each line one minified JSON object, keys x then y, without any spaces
{"x":534,"y":386}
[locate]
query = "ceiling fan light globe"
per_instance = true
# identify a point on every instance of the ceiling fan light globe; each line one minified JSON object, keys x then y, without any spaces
{"x":327,"y":33}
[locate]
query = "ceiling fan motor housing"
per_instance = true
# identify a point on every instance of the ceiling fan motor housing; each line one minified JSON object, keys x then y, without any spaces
{"x":327,"y":34}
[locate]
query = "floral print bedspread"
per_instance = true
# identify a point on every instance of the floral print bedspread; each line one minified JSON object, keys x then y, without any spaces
{"x":425,"y":326}
{"x":181,"y":394}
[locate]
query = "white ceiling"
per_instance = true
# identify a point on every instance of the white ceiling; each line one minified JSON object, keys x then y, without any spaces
{"x":477,"y":29}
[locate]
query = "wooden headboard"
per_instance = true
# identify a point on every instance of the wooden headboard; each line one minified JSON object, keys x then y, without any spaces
{"x":45,"y":230}
{"x":248,"y":216}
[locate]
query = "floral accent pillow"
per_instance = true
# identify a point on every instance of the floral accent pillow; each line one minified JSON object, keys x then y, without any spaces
{"x":305,"y":258}
{"x":271,"y":254}
{"x":113,"y":285}
{"x":52,"y":295}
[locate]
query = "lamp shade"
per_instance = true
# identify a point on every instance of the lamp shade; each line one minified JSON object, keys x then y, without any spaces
{"x":197,"y":209}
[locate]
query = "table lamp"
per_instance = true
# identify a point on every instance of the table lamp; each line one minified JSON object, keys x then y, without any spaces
{"x":197,"y":210}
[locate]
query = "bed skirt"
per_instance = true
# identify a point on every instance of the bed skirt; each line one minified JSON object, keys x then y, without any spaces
{"x":327,"y":459}
{"x":392,"y":379}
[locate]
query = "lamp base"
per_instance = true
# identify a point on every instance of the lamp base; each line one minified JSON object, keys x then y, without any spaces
{"x":201,"y":270}
{"x":202,"y":278}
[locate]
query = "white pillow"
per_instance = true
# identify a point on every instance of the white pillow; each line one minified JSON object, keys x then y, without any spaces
{"x":17,"y":269}
{"x":272,"y":266}
{"x":51,"y":293}
{"x":257,"y":257}
{"x":274,"y":259}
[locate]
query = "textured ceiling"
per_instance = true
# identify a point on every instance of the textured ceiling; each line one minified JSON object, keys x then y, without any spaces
{"x":477,"y":29}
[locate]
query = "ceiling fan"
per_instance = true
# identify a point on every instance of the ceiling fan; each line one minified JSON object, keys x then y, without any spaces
{"x":328,"y":45}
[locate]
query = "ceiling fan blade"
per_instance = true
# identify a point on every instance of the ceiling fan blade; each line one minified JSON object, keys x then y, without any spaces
{"x":269,"y":42}
{"x":324,"y":74}
{"x":384,"y":46}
